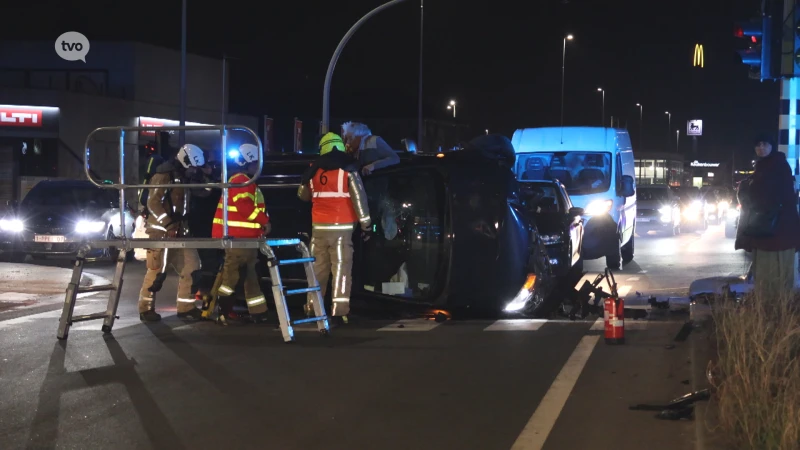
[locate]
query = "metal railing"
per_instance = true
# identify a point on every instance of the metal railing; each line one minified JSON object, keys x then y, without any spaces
{"x":122,"y":186}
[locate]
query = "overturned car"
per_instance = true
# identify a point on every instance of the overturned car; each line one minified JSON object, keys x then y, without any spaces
{"x":450,"y":233}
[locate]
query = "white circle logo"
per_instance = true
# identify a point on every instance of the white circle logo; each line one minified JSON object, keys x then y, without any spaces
{"x":72,"y":46}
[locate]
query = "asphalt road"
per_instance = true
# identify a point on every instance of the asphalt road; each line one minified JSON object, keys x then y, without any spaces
{"x":460,"y":384}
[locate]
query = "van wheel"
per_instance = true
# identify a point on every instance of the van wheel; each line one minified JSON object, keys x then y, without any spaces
{"x":614,"y":261}
{"x":627,"y":251}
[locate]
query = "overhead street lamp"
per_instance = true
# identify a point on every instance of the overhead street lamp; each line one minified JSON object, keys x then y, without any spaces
{"x":669,"y":120}
{"x":677,"y":138}
{"x":641,"y":115}
{"x":603,"y":119}
{"x":452,"y":106}
{"x":326,"y":92}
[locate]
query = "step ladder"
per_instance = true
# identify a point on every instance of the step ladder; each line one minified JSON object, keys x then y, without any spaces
{"x":279,"y":293}
{"x":74,"y":288}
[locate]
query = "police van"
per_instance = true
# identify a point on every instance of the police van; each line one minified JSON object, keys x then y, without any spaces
{"x":596,"y":167}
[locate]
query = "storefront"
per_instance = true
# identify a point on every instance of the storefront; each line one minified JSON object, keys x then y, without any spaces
{"x":706,"y":173}
{"x":28,"y":148}
{"x":658,"y":168}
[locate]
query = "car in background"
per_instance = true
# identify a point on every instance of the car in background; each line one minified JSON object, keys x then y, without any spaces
{"x":658,"y":209}
{"x":559,"y":223}
{"x":56,"y":216}
{"x":718,"y":201}
{"x":694,"y":209}
{"x":732,"y":216}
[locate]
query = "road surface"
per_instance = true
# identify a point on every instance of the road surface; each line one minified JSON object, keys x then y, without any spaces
{"x":531,"y":384}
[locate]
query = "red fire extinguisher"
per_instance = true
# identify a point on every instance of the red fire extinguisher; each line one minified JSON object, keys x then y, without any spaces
{"x":614,"y":314}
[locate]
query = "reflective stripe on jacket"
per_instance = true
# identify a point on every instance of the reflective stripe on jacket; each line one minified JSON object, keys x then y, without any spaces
{"x":338,"y":199}
{"x":247,"y":213}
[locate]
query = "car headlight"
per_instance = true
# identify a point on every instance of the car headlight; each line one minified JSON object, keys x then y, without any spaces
{"x":712,"y":207}
{"x":524,"y":296}
{"x":549,"y":239}
{"x":12,"y":225}
{"x":665,"y":211}
{"x":89,"y":226}
{"x":598,"y":207}
{"x":697,"y":204}
{"x":723,"y":206}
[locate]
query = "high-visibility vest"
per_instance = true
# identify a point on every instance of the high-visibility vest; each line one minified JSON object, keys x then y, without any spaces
{"x":330,"y":197}
{"x":247,"y":213}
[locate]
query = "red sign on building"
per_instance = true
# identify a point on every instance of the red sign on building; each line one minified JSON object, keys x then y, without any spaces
{"x":20,"y":117}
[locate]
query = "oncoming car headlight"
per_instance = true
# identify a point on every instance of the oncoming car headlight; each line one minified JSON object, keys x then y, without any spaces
{"x":598,"y":207}
{"x":12,"y":225}
{"x":89,"y":226}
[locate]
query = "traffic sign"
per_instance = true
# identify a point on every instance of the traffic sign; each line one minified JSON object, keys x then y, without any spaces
{"x":694,"y":127}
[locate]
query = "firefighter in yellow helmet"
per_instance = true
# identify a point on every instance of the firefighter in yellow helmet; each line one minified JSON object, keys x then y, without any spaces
{"x":339,"y":202}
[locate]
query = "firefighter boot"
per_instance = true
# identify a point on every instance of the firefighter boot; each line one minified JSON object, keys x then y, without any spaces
{"x":150,"y":314}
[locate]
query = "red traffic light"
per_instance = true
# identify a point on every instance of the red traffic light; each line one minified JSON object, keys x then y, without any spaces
{"x":738,"y":31}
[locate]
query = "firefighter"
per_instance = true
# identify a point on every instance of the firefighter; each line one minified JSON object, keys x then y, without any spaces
{"x":167,"y":207}
{"x":338,"y":199}
{"x":247,"y":218}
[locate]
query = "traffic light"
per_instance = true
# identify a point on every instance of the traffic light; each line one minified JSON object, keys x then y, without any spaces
{"x":753,"y":52}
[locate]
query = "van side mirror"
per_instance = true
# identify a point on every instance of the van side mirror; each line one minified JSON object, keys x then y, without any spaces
{"x":626,"y":189}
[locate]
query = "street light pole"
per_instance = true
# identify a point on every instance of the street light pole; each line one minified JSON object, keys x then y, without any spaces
{"x":669,"y":121}
{"x":563,"y":66}
{"x":452,"y":106}
{"x":419,"y":99}
{"x":677,"y":139}
{"x":182,"y":112}
{"x":603,"y":119}
{"x":326,"y":110}
{"x":641,"y":133}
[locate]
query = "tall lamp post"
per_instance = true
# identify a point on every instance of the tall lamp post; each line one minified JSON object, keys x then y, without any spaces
{"x":677,"y":139}
{"x":603,"y":119}
{"x":641,"y":115}
{"x":669,"y":120}
{"x":568,"y":37}
{"x":452,"y":106}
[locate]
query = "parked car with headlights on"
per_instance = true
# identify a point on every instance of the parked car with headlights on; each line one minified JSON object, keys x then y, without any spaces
{"x":694,"y":209}
{"x":56,"y":216}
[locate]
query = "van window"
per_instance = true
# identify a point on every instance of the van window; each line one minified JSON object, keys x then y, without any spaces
{"x":405,"y":254}
{"x":581,"y":173}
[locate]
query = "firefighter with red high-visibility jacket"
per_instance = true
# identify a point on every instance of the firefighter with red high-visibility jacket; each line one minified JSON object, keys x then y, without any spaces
{"x":247,"y":218}
{"x":339,"y":202}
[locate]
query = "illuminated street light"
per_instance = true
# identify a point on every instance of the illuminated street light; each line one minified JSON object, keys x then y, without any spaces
{"x":452,"y":106}
{"x":603,"y":117}
{"x":568,"y":37}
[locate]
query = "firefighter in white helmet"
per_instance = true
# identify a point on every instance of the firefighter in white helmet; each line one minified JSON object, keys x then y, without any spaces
{"x":247,"y":219}
{"x":167,"y":207}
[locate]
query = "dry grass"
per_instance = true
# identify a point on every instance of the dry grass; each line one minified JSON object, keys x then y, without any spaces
{"x":757,"y":375}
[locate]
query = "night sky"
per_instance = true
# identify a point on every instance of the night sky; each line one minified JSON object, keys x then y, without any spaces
{"x":500,"y":60}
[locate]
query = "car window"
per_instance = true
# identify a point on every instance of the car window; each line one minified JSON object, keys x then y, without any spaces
{"x":405,"y":255}
{"x":69,"y":196}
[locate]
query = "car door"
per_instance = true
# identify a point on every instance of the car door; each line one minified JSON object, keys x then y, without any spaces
{"x":575,"y":227}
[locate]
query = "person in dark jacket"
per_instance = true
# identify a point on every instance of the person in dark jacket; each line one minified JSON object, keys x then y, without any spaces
{"x":770,"y":188}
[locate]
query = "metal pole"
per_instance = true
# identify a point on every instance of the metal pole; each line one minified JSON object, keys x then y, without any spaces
{"x":326,"y":111}
{"x":641,"y":126}
{"x":122,"y":189}
{"x":419,"y":99}
{"x":224,"y":133}
{"x":224,"y":91}
{"x":603,"y":121}
{"x":677,"y":140}
{"x":563,"y":65}
{"x":182,"y":133}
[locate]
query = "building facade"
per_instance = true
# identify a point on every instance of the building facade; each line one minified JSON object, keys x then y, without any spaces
{"x":659,"y":168}
{"x":49,"y":107}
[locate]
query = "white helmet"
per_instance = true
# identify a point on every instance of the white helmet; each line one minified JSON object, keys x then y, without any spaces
{"x":190,"y":155}
{"x":247,"y":153}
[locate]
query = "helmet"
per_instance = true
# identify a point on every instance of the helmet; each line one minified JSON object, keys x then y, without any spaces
{"x":247,"y":153}
{"x":190,"y":155}
{"x":330,"y":142}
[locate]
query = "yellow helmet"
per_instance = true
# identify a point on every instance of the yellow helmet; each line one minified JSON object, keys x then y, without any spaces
{"x":330,"y":142}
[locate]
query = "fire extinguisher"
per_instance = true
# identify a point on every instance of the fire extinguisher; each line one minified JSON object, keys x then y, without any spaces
{"x":614,"y":314}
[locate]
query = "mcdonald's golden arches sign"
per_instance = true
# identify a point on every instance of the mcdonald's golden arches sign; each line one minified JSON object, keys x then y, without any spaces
{"x":698,"y":59}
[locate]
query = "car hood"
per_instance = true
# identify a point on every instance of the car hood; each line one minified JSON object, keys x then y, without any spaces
{"x":42,"y":216}
{"x":549,"y":223}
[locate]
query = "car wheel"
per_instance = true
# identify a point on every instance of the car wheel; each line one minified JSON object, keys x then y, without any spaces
{"x":627,"y":251}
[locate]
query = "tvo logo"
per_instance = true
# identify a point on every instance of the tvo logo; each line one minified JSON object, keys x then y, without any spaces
{"x":72,"y":46}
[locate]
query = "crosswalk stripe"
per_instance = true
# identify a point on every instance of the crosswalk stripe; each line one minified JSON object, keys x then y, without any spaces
{"x":411,"y":325}
{"x":516,"y":325}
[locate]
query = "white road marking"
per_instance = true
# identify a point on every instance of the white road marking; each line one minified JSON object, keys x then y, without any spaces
{"x":642,"y":271}
{"x":535,"y":433}
{"x":516,"y":325}
{"x":17,"y":297}
{"x":411,"y":325}
{"x":633,"y":279}
{"x":598,"y":325}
